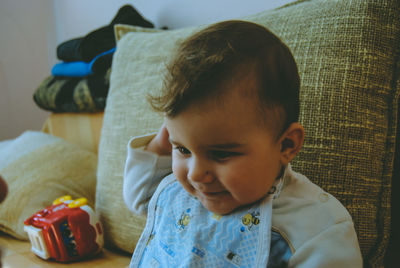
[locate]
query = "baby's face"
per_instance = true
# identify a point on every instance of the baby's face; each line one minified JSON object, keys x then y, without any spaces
{"x":222,"y":155}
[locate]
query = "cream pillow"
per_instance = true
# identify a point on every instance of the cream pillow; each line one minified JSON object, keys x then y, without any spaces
{"x":39,"y":168}
{"x":138,"y":65}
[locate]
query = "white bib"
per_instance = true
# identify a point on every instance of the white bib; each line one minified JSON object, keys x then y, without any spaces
{"x":180,"y":232}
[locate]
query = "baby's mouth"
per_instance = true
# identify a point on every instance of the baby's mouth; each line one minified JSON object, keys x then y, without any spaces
{"x":213,"y":195}
{"x":207,"y":192}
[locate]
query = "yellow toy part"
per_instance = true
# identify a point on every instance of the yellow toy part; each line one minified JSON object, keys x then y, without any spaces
{"x":62,"y":199}
{"x":78,"y":202}
{"x":247,"y":219}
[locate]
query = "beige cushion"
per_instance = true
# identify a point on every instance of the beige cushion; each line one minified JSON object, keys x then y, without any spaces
{"x":39,"y":168}
{"x":137,"y":68}
{"x":345,"y":54}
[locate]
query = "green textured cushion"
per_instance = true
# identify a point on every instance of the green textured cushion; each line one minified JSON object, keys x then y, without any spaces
{"x":345,"y":52}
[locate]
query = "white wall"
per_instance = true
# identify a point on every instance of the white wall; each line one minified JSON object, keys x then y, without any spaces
{"x":76,"y":17}
{"x":26,"y":30}
{"x":31,"y":30}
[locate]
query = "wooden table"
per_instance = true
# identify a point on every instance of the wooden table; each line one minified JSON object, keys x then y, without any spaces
{"x":16,"y":254}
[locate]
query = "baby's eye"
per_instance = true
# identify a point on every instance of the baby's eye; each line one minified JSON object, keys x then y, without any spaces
{"x":182,"y":150}
{"x":223,"y":155}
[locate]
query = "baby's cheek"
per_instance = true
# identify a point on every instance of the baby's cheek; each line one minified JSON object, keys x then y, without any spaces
{"x":180,"y":171}
{"x":241,"y":187}
{"x":178,"y":168}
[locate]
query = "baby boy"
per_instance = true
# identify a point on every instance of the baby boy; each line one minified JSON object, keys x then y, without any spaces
{"x":231,"y":107}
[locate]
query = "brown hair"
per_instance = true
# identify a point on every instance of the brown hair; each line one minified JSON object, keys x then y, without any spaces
{"x":213,"y":54}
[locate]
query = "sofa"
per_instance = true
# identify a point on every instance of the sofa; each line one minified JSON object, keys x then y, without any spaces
{"x":348,"y":58}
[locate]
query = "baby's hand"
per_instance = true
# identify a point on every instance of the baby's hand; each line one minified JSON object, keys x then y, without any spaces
{"x":160,"y":144}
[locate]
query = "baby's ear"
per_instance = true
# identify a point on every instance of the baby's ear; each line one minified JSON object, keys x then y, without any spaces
{"x":291,"y":142}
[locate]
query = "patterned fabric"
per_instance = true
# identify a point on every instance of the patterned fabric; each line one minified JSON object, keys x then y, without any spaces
{"x":73,"y":94}
{"x":181,"y":232}
{"x":347,"y":54}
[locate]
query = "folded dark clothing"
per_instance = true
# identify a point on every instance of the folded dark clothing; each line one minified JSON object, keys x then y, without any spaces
{"x":70,"y":94}
{"x":103,"y":63}
{"x":100,"y":40}
{"x":99,"y":65}
{"x":70,"y":50}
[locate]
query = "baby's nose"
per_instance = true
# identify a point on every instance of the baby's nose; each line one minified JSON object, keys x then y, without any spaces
{"x":199,"y":174}
{"x":205,"y":178}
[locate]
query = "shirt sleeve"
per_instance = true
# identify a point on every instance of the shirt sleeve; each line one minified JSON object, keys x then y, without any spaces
{"x":143,"y":172}
{"x":334,"y":247}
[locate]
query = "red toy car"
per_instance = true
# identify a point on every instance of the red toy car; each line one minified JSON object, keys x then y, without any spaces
{"x":66,"y":231}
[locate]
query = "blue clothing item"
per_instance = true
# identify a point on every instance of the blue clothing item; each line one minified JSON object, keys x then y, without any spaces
{"x":280,"y":252}
{"x":78,"y":68}
{"x":72,"y":69}
{"x":180,"y":232}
